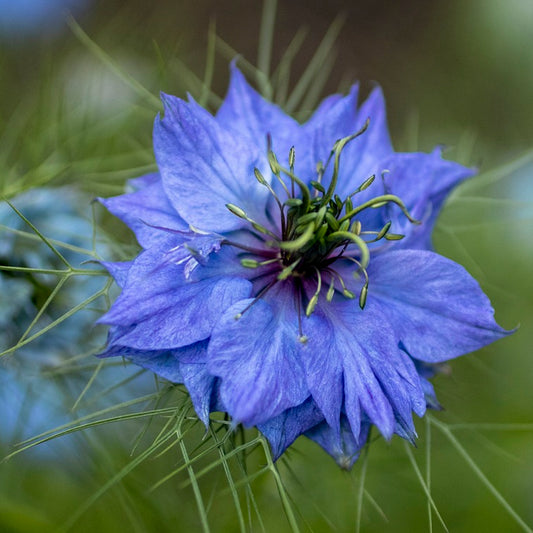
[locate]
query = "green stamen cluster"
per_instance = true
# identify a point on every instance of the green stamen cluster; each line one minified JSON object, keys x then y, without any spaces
{"x":318,"y":227}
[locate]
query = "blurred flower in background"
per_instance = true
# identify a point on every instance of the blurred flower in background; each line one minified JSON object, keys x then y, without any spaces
{"x":23,"y":18}
{"x":34,"y":382}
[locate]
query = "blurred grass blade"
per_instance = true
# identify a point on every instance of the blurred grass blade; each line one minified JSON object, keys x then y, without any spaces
{"x":194,"y":482}
{"x":360,"y":491}
{"x":281,"y":75}
{"x":266,"y":35}
{"x":425,"y":487}
{"x":230,"y":480}
{"x":312,"y":71}
{"x":54,"y":250}
{"x":479,"y":473}
{"x":131,"y":82}
{"x":428,"y":472}
{"x":209,"y":65}
{"x":493,"y":176}
{"x":63,"y":317}
{"x":317,"y":87}
{"x":248,"y":68}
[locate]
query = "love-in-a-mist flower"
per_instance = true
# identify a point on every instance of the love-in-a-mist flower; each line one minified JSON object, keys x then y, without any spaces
{"x":287,"y":276}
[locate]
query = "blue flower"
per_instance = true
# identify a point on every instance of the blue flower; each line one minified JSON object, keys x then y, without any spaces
{"x":287,"y":275}
{"x":33,"y":401}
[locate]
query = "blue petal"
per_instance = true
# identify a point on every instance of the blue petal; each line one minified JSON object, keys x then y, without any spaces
{"x":144,"y":181}
{"x":194,"y":250}
{"x":247,"y":113}
{"x":436,"y":308}
{"x":323,"y":366}
{"x":164,"y":310}
{"x":164,"y":363}
{"x":426,"y":371}
{"x":200,"y":384}
{"x":430,"y":396}
{"x":185,"y":365}
{"x":145,"y":210}
{"x":367,"y":352}
{"x":257,"y":358}
{"x":364,"y":155}
{"x":343,"y":446}
{"x":282,"y":430}
{"x":336,"y":117}
{"x":118,"y":270}
{"x":379,"y":381}
{"x":204,"y":167}
{"x":422,"y":181}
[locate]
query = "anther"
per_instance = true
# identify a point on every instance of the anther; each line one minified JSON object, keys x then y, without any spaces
{"x":383,"y":231}
{"x":293,"y":202}
{"x":394,"y":237}
{"x":302,"y":240}
{"x":318,"y":186}
{"x":259,"y":177}
{"x":287,"y":271}
{"x":331,"y":290}
{"x":365,"y":184}
{"x":362,"y":296}
{"x":237,"y":211}
{"x":249,"y":263}
{"x":314,"y":299}
{"x":292,"y":157}
{"x":273,"y":162}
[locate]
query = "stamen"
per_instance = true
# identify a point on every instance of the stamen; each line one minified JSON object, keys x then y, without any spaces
{"x":249,"y":263}
{"x":317,"y":186}
{"x":363,"y":295}
{"x":306,"y":194}
{"x":260,"y":178}
{"x":287,"y":271}
{"x":299,"y":290}
{"x":363,"y":185}
{"x":252,"y":263}
{"x":320,"y":216}
{"x":384,"y":230}
{"x":237,"y":211}
{"x":361,"y":244}
{"x":332,"y":221}
{"x":356,"y":227}
{"x":255,"y":251}
{"x":337,"y":149}
{"x":364,"y":289}
{"x":260,"y":294}
{"x":345,"y":292}
{"x":314,"y":299}
{"x":394,"y":237}
{"x":331,"y":290}
{"x":302,"y":240}
{"x":293,"y":202}
{"x":382,"y":233}
{"x":292,"y":157}
{"x":379,"y":201}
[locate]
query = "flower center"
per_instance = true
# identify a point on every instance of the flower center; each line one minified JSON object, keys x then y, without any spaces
{"x":317,"y":228}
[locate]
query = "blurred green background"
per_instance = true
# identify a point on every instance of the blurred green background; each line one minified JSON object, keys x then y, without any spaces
{"x":454,"y":73}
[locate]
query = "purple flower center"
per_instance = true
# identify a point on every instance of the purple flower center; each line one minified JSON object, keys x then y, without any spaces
{"x":316,"y":228}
